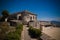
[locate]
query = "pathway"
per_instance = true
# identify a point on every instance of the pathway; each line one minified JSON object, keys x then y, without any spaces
{"x":25,"y":35}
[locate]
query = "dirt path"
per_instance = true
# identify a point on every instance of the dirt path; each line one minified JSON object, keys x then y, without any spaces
{"x":25,"y":35}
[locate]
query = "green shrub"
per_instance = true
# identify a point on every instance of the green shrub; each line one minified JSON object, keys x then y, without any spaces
{"x":12,"y":36}
{"x":4,"y":28}
{"x":35,"y":33}
{"x":19,"y":26}
{"x":15,"y":35}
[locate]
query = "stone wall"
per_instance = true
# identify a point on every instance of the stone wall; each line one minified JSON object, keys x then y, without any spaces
{"x":35,"y":24}
{"x":29,"y":17}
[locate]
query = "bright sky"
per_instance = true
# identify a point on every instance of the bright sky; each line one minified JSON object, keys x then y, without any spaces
{"x":45,"y":9}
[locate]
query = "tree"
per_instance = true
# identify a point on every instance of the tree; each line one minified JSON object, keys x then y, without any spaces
{"x":5,"y":13}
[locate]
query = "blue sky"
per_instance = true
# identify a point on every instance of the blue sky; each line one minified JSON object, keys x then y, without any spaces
{"x":45,"y":9}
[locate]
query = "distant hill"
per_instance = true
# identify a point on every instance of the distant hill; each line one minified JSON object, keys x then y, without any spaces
{"x":57,"y":23}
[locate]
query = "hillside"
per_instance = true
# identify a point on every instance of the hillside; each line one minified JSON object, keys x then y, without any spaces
{"x":57,"y":23}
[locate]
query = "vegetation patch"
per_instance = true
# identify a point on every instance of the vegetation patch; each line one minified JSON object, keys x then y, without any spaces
{"x":34,"y":33}
{"x":4,"y":28}
{"x":15,"y":35}
{"x":6,"y":34}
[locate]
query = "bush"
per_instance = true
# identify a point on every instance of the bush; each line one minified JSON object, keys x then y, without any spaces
{"x":12,"y":36}
{"x":34,"y":33}
{"x":4,"y":28}
{"x":19,"y":27}
{"x":15,"y":35}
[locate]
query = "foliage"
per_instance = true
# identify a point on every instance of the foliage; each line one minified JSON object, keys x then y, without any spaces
{"x":5,"y":13}
{"x":35,"y":33}
{"x":4,"y":28}
{"x":12,"y":36}
{"x":19,"y":26}
{"x":6,"y":35}
{"x":2,"y":19}
{"x":15,"y":35}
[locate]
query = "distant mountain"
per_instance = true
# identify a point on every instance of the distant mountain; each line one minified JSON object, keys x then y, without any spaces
{"x":57,"y":23}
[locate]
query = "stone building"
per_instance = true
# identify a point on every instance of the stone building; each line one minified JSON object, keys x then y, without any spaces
{"x":35,"y":24}
{"x":24,"y":17}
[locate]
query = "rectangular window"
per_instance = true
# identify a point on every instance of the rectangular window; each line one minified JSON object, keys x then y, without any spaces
{"x":20,"y":18}
{"x":30,"y":18}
